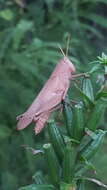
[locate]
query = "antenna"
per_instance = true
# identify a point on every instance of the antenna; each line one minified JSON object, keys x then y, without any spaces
{"x":61,"y":50}
{"x":68,"y":42}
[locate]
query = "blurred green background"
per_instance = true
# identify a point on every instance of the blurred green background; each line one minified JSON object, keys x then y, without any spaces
{"x":30,"y":31}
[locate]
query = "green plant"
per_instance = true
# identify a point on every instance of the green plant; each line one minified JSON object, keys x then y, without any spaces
{"x":71,"y":147}
{"x":29,"y":33}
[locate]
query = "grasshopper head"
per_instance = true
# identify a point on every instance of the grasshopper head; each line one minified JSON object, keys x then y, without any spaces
{"x":70,"y":64}
{"x":67,"y":61}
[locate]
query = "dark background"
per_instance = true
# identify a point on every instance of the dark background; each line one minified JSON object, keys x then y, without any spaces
{"x":30,"y":31}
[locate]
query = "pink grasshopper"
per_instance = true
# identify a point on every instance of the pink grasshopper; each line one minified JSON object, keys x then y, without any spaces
{"x":53,"y":92}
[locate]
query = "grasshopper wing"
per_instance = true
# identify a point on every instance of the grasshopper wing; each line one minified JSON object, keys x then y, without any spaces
{"x":49,"y":97}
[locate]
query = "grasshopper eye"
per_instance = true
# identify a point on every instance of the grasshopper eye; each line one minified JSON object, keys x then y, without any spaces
{"x":72,"y":67}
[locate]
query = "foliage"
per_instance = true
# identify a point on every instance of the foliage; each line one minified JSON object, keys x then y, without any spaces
{"x":29,"y":34}
{"x":71,"y":146}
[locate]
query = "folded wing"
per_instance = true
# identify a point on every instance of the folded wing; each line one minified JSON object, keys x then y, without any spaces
{"x":49,"y":97}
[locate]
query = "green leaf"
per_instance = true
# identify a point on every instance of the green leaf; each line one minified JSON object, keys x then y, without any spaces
{"x":66,"y":186}
{"x":81,"y":168}
{"x":100,"y":20}
{"x":7,"y":38}
{"x":95,"y":1}
{"x":68,"y":115}
{"x":101,"y":94}
{"x":6,"y":14}
{"x":69,"y":163}
{"x":94,"y":69}
{"x":39,"y":178}
{"x":95,"y":181}
{"x":86,"y":140}
{"x":37,"y":187}
{"x":84,"y":96}
{"x":93,"y":147}
{"x":5,"y":131}
{"x":93,"y":31}
{"x":80,"y":185}
{"x":36,"y":44}
{"x":103,"y":59}
{"x":88,"y":88}
{"x":96,"y":115}
{"x":49,"y":4}
{"x":52,"y":163}
{"x":56,"y":139}
{"x":8,"y":179}
{"x":19,"y":32}
{"x":78,"y":122}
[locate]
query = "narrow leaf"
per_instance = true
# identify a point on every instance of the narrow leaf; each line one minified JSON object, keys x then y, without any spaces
{"x":96,"y":115}
{"x":52,"y":163}
{"x":69,"y":163}
{"x":37,"y":187}
{"x":96,"y":181}
{"x":78,"y":122}
{"x":56,"y":139}
{"x":68,"y":115}
{"x":88,"y":89}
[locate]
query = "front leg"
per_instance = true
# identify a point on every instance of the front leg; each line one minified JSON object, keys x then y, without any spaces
{"x":80,"y":75}
{"x":65,"y":92}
